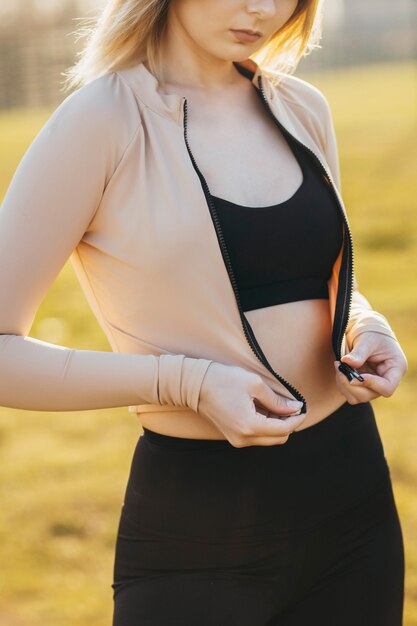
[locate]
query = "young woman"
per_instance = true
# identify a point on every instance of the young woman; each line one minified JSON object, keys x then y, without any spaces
{"x":197,"y":193}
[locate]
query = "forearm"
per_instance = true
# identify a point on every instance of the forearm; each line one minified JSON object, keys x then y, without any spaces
{"x":36,"y":375}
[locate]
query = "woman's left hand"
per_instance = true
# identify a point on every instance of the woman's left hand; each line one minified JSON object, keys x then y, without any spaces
{"x":380,"y":361}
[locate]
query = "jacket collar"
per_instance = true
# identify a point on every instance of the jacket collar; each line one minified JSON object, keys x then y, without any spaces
{"x":147,"y":88}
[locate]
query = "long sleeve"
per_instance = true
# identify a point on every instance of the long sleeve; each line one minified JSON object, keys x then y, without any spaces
{"x":48,"y":206}
{"x":363,"y":318}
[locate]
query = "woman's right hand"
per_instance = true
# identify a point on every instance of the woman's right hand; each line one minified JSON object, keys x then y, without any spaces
{"x":227,"y":398}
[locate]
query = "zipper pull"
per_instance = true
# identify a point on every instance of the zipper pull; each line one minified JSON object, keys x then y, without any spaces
{"x":350,"y":372}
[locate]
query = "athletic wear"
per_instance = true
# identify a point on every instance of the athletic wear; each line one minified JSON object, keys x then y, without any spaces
{"x":306,"y":532}
{"x":284,"y":252}
{"x":109,"y":182}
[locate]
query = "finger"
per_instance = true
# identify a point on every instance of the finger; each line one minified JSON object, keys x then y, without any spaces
{"x":354,"y":393}
{"x":274,"y":425}
{"x":356,"y":357}
{"x":275,"y":402}
{"x":355,"y":389}
{"x":269,"y":441}
{"x":363,"y":395}
{"x":392,"y":372}
{"x":384,"y":385}
{"x":345,"y":382}
{"x":342,"y":381}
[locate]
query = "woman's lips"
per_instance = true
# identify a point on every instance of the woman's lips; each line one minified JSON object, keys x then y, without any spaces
{"x":242,"y":35}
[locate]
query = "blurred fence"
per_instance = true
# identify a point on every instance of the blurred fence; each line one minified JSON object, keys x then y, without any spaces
{"x":30,"y":66}
{"x":34,"y":52}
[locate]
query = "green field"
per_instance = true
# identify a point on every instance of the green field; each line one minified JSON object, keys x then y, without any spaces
{"x":62,"y":475}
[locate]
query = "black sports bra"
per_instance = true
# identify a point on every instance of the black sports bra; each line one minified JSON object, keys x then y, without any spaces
{"x":284,"y":252}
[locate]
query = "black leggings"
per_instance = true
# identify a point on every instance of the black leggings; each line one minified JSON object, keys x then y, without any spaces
{"x":305,"y":532}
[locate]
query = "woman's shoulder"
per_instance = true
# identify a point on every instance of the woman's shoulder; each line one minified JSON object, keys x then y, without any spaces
{"x":103,"y":107}
{"x":300,"y":93}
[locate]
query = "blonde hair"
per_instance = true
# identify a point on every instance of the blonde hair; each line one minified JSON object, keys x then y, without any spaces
{"x":127,"y":32}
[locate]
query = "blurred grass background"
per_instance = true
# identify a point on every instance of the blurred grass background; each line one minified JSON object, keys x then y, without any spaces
{"x":62,"y":475}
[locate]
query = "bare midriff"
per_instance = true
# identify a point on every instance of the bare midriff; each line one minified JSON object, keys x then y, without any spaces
{"x":305,"y":359}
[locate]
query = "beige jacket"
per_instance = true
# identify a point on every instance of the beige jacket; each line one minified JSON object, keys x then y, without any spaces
{"x":110,"y":183}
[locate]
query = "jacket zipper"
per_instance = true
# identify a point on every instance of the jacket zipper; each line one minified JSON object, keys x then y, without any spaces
{"x":348,"y":291}
{"x":247,"y":329}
